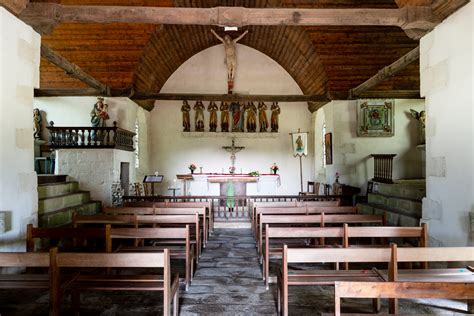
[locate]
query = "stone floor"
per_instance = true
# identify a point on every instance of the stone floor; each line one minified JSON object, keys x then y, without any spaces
{"x":228,"y":281}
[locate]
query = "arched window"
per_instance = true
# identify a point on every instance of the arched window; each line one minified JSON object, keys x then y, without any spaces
{"x":136,"y":145}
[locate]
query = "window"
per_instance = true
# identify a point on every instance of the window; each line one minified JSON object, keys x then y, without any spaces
{"x":136,"y":145}
{"x":324,"y":144}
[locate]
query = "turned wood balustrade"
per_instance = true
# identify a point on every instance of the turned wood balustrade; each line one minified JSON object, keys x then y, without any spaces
{"x":383,"y":168}
{"x":90,"y":137}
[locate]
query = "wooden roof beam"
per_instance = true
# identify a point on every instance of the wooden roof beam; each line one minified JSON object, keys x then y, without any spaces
{"x":45,"y":16}
{"x":139,"y":96}
{"x":73,"y":70}
{"x":14,"y":6}
{"x":386,"y":73}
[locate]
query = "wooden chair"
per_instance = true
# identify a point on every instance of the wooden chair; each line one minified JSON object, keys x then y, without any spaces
{"x":165,"y":283}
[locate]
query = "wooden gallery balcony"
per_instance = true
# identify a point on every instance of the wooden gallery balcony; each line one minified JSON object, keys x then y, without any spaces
{"x":90,"y":137}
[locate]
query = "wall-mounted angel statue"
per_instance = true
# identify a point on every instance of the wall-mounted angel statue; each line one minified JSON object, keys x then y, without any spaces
{"x":421,"y":117}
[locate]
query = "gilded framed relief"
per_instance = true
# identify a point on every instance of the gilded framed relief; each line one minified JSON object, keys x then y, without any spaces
{"x":375,"y":118}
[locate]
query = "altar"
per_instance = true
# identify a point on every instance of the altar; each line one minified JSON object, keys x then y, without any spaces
{"x":216,"y":184}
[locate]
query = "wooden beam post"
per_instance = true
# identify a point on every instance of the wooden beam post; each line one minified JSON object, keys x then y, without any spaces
{"x":386,"y":73}
{"x":406,"y":17}
{"x":73,"y":70}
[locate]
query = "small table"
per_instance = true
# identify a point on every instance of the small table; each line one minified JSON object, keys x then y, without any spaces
{"x":174,"y":190}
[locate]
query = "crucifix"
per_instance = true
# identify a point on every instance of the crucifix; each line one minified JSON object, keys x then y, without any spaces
{"x":232,"y":150}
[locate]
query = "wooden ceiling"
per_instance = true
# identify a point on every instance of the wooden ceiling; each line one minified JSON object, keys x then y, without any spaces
{"x":320,"y":59}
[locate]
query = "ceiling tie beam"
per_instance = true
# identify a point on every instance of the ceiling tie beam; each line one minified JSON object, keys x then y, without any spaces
{"x":385,"y":73}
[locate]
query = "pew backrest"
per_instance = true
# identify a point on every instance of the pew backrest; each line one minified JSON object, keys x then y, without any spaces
{"x":315,"y":255}
{"x":103,"y":219}
{"x":435,"y":254}
{"x":386,"y":232}
{"x":24,"y":259}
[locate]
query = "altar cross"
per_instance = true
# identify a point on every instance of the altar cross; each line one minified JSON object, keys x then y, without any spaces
{"x":233,"y":150}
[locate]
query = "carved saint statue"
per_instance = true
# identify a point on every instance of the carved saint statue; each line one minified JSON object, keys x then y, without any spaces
{"x":99,"y":113}
{"x":262,"y":116}
{"x":224,"y":117}
{"x":37,"y":124}
{"x":421,"y":117}
{"x":237,"y":121}
{"x":199,"y":116}
{"x":185,"y":108}
{"x":251,"y":111}
{"x":212,"y":108}
{"x":274,"y":118}
{"x":230,"y":56}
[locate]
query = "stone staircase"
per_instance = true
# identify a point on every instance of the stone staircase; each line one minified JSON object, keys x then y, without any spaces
{"x":58,"y":198}
{"x":400,"y":202}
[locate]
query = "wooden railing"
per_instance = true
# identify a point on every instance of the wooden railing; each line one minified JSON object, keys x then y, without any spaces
{"x":236,"y":207}
{"x":90,"y":137}
{"x":383,"y":168}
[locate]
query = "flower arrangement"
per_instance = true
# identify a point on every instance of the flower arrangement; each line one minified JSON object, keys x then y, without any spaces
{"x":254,"y":174}
{"x":337,"y":176}
{"x":192,"y":167}
{"x":274,"y":168}
{"x":231,"y":170}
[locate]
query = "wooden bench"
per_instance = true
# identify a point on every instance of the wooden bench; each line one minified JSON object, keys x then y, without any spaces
{"x":287,"y":233}
{"x":58,"y":234}
{"x":172,"y":236}
{"x":163,"y":211}
{"x":165,"y":283}
{"x":345,"y":233}
{"x":176,"y":221}
{"x":306,"y":210}
{"x":312,"y":220}
{"x":285,"y":204}
{"x":287,"y":277}
{"x":396,"y":290}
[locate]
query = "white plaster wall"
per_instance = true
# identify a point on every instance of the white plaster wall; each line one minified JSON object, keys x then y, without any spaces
{"x":75,"y":111}
{"x":447,"y":60}
{"x":95,"y":170}
{"x":206,"y":72}
{"x":351,"y":154}
{"x":19,"y":74}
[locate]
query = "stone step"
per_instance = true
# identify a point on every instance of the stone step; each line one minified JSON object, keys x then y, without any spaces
{"x":394,"y":217}
{"x":415,"y":190}
{"x":64,"y":216}
{"x":51,"y":178}
{"x":406,"y":205}
{"x":52,"y":204}
{"x":48,"y":190}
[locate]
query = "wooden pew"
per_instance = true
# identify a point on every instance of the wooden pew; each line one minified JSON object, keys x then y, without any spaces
{"x":206,"y":204}
{"x":163,"y":211}
{"x":396,"y":290}
{"x":285,"y":204}
{"x":123,"y":220}
{"x":176,"y":220}
{"x":307,"y":210}
{"x":173,"y":236}
{"x":287,"y":277}
{"x":287,"y":233}
{"x":24,"y":260}
{"x":428,"y":255}
{"x":165,"y":283}
{"x":322,"y":220}
{"x":60,"y":233}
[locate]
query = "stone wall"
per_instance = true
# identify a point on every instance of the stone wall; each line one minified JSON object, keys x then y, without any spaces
{"x":351,"y":154}
{"x":19,"y":75}
{"x":95,"y":169}
{"x":447,"y":82}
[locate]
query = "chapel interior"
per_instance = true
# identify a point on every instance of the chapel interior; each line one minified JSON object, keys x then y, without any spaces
{"x":237,"y":157}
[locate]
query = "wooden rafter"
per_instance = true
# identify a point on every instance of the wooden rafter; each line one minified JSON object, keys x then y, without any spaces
{"x":386,"y":72}
{"x":72,"y":69}
{"x":14,"y":6}
{"x":406,"y":18}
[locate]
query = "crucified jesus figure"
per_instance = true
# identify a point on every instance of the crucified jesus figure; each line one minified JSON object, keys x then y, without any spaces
{"x":230,"y":57}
